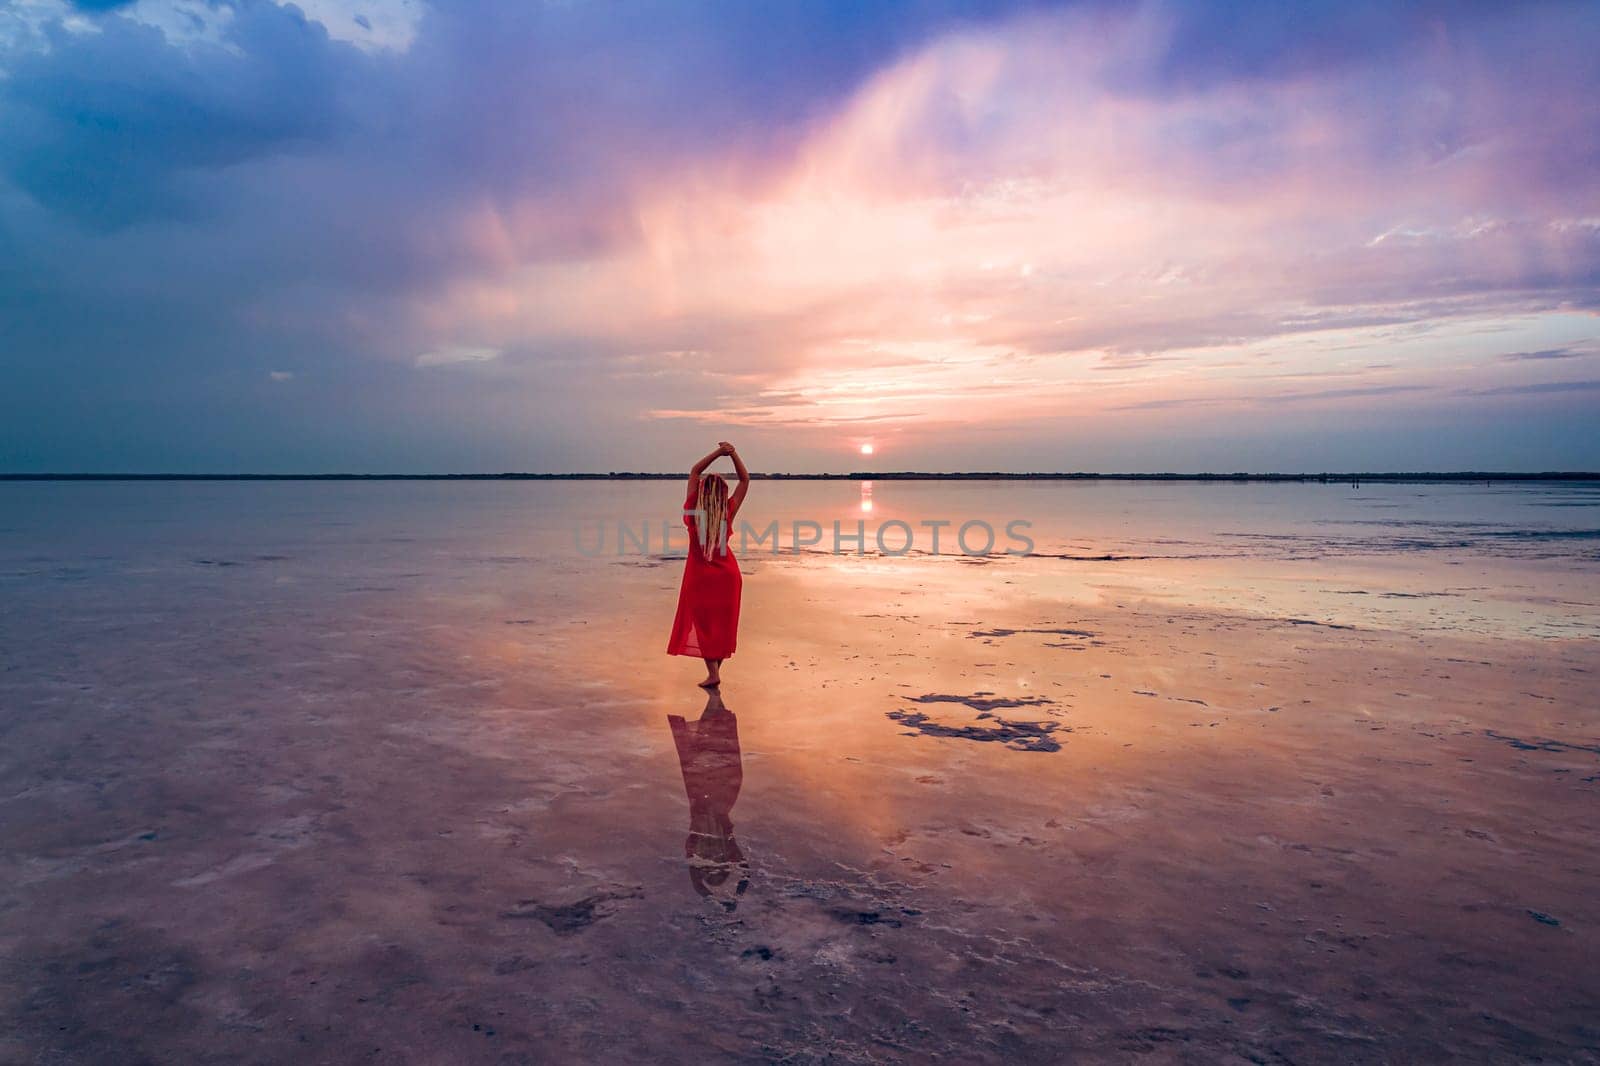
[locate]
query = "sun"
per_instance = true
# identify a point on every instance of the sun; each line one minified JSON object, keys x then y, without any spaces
{"x":866,"y":449}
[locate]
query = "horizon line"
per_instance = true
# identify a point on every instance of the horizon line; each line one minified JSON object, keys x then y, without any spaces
{"x":858,"y":475}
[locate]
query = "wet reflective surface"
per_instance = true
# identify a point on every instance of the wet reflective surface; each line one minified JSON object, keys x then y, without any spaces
{"x":713,"y":770}
{"x":327,"y":772}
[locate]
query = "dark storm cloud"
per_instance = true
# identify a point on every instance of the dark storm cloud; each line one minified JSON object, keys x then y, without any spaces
{"x":119,"y":125}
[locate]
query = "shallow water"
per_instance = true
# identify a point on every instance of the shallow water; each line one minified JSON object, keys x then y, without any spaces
{"x":1488,"y":559}
{"x":348,"y":769}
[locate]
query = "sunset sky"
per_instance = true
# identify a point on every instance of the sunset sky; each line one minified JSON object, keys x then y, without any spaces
{"x":388,"y":235}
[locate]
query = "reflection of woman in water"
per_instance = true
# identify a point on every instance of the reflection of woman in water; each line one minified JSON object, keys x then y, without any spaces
{"x":707,"y":624}
{"x":708,"y":755}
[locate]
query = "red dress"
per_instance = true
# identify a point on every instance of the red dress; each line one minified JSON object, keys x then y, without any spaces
{"x":707,"y":624}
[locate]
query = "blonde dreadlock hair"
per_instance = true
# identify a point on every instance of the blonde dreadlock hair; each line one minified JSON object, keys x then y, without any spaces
{"x":712,"y":504}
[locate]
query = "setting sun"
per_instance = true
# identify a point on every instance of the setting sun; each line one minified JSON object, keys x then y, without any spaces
{"x":866,"y":449}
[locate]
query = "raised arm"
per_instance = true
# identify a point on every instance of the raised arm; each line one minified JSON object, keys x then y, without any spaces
{"x":744,"y":480}
{"x":700,"y":468}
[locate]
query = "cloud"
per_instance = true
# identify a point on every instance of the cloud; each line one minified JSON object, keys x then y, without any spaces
{"x":913,"y":215}
{"x":280,"y":375}
{"x":1543,"y":354}
{"x":1275,"y":399}
{"x":1537,"y":389}
{"x":457,"y":355}
{"x":122,"y":124}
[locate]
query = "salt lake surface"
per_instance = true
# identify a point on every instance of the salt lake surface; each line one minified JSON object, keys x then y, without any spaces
{"x":315,"y":771}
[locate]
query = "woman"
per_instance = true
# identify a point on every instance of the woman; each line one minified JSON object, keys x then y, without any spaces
{"x":707,"y":625}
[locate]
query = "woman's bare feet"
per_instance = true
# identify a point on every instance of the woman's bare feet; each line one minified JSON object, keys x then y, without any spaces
{"x":713,"y":673}
{"x":711,"y":681}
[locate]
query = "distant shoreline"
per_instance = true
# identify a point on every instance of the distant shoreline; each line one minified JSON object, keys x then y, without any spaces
{"x":860,"y":475}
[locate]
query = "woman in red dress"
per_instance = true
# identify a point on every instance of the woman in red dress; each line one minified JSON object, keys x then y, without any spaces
{"x":707,"y":625}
